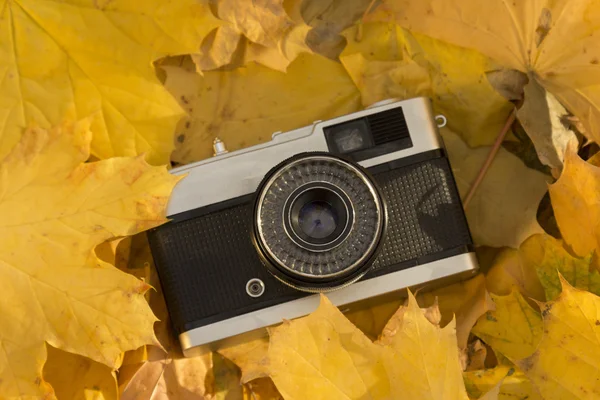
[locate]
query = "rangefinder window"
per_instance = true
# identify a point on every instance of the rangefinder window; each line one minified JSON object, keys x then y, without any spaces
{"x":370,"y":136}
{"x":349,"y":137}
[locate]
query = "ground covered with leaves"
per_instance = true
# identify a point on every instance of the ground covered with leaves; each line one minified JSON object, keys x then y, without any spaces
{"x":100,"y":97}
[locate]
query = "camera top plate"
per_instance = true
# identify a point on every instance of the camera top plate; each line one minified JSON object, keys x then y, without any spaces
{"x":238,"y":173}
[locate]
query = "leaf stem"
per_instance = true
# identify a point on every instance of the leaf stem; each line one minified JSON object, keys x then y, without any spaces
{"x":368,"y":10}
{"x":492,"y":154}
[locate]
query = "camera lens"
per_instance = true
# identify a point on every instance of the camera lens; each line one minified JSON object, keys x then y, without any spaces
{"x":318,"y":221}
{"x":318,"y":214}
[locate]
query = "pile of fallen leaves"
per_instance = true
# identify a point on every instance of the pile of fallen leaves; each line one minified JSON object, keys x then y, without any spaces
{"x":97,"y":96}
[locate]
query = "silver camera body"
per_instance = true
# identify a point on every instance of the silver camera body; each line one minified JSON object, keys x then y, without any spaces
{"x":235,"y":259}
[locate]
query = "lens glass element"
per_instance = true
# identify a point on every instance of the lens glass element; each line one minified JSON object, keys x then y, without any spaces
{"x":317,"y":219}
{"x":318,"y":215}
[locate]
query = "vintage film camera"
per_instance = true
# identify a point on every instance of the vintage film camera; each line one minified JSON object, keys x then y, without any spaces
{"x":361,"y":205}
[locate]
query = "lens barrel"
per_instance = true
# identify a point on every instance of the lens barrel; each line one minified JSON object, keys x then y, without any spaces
{"x":318,"y":222}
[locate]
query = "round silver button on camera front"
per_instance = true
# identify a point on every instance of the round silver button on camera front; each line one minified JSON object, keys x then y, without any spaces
{"x":255,"y":287}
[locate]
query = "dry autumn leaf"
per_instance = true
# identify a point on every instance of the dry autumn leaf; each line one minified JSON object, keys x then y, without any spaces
{"x":291,"y":45}
{"x":509,"y":270}
{"x":324,"y":356}
{"x":475,"y":356}
{"x":251,"y":357}
{"x":535,"y":266}
{"x":259,"y":31}
{"x":165,"y":374}
{"x":386,"y":61}
{"x":576,"y":206}
{"x":542,"y":116}
{"x":245,"y":106}
{"x":262,"y":21}
{"x":261,"y":389}
{"x":218,"y":48}
{"x":421,"y":358}
{"x":503,"y":209}
{"x":566,"y":363}
{"x":78,"y":378}
{"x":550,"y":259}
{"x":88,"y":58}
{"x":328,"y":18}
{"x":514,"y":328}
{"x":515,"y":385}
{"x":463,"y":301}
{"x":371,"y":317}
{"x":81,"y":58}
{"x":55,"y":210}
{"x":556,"y":42}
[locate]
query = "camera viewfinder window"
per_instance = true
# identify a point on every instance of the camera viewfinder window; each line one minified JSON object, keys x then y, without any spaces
{"x":349,"y":137}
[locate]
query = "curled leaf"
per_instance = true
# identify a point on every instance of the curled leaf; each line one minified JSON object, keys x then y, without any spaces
{"x":541,"y":115}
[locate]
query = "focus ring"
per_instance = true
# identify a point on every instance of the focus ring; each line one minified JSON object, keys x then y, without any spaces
{"x":310,"y":268}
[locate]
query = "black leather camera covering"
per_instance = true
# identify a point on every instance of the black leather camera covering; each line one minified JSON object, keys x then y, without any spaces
{"x":205,"y":257}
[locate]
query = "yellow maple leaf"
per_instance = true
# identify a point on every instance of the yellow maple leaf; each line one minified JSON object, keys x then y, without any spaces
{"x":463,"y":302}
{"x":279,"y":57}
{"x":371,"y":318}
{"x":515,"y":385}
{"x":218,"y":102}
{"x":54,"y":210}
{"x":549,"y":258}
{"x":497,"y":217}
{"x":576,"y":207}
{"x":75,"y":377}
{"x":324,"y":356}
{"x":423,"y":361}
{"x":514,"y":328}
{"x":81,"y":58}
{"x":165,"y":373}
{"x":251,"y":357}
{"x":261,"y":21}
{"x":328,"y":18}
{"x":226,"y":375}
{"x":509,"y":270}
{"x":566,"y":365}
{"x":386,"y":61}
{"x":261,"y":389}
{"x":217,"y":49}
{"x":260,"y":31}
{"x":542,"y":117}
{"x":556,"y":42}
{"x":535,"y":266}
